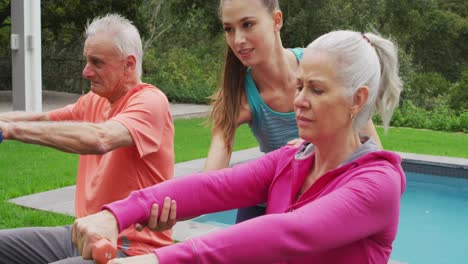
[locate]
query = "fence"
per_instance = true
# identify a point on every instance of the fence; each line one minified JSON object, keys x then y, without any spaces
{"x":5,"y":73}
{"x":58,"y":74}
{"x":64,"y":75}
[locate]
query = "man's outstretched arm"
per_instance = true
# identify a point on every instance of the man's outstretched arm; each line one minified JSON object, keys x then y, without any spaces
{"x":74,"y":137}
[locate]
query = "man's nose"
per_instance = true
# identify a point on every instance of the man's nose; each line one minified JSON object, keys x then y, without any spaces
{"x":87,"y":71}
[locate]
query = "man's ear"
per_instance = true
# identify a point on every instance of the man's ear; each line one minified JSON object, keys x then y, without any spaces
{"x":359,"y":99}
{"x":278,"y":20}
{"x":130,"y":63}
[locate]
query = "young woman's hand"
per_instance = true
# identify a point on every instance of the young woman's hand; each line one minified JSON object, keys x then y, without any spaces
{"x":166,"y":220}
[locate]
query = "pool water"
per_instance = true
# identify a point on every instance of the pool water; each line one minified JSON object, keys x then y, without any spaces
{"x":225,"y":218}
{"x":433,"y":221}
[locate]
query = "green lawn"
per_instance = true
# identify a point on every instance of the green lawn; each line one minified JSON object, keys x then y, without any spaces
{"x":425,"y":142}
{"x":192,"y":139}
{"x":27,"y":169}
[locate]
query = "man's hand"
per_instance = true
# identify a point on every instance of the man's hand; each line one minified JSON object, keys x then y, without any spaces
{"x":167,"y":219}
{"x":3,"y":130}
{"x":142,"y":259}
{"x":90,"y":229}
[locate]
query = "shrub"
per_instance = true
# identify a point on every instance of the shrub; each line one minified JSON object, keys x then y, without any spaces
{"x":442,"y":117}
{"x":459,"y":93}
{"x":409,"y":115}
{"x":463,"y":119}
{"x":377,"y":119}
{"x":185,"y":75}
{"x":424,"y":88}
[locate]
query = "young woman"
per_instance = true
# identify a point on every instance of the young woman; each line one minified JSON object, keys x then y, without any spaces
{"x":335,"y":199}
{"x":258,"y":86}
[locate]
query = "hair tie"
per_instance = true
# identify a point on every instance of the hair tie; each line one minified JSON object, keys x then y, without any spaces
{"x":365,"y":37}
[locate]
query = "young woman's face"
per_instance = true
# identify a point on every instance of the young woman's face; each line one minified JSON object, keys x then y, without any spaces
{"x":321,"y":107}
{"x":250,"y":29}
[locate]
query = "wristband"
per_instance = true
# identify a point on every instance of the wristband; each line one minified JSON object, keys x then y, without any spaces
{"x":1,"y":136}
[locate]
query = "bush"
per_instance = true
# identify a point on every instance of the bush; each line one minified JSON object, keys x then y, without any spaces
{"x":459,"y":93}
{"x":463,"y":120}
{"x":443,"y":118}
{"x":377,"y":119}
{"x":185,"y":75}
{"x":409,"y":115}
{"x":424,"y":88}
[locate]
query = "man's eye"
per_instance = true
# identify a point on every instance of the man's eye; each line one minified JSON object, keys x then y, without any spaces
{"x":97,"y":62}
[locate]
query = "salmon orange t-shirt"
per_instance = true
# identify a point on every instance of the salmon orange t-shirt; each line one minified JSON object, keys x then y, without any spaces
{"x":144,"y":111}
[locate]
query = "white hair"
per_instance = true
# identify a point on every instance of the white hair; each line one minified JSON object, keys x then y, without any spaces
{"x":365,"y":60}
{"x":126,"y":37}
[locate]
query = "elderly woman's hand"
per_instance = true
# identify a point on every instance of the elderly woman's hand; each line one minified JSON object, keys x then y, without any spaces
{"x":142,"y":259}
{"x":88,"y":230}
{"x":167,"y":217}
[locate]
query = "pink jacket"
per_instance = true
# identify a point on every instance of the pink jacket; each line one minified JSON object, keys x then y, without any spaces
{"x":349,"y":215}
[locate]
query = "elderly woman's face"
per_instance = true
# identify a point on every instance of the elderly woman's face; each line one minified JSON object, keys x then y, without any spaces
{"x":321,"y":108}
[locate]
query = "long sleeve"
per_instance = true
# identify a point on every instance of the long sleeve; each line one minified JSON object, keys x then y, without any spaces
{"x":244,"y":185}
{"x":365,"y":205}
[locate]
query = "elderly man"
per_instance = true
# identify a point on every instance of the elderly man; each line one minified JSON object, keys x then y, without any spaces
{"x":123,"y":131}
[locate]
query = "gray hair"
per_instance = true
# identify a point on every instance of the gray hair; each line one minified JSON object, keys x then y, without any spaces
{"x":365,"y":60}
{"x":126,"y":37}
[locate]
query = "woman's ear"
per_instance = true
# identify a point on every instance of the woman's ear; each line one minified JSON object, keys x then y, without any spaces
{"x":359,"y":99}
{"x":278,"y":20}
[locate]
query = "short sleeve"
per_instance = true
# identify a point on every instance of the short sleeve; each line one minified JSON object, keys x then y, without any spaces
{"x":71,"y":112}
{"x":146,"y":116}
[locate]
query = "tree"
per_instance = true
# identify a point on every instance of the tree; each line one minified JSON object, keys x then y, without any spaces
{"x":153,"y":12}
{"x":439,"y":43}
{"x":455,"y":6}
{"x":5,"y":6}
{"x":63,"y":22}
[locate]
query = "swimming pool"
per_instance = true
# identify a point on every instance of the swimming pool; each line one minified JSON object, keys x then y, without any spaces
{"x":433,"y":220}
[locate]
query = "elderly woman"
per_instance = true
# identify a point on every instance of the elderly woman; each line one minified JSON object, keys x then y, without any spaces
{"x":335,"y":199}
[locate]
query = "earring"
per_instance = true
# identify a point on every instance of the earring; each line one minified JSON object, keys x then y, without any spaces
{"x":351,"y":115}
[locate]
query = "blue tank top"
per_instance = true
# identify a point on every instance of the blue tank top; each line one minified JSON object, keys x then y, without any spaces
{"x":271,"y":129}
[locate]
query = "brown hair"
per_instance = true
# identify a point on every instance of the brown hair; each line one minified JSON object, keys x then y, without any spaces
{"x":226,"y":101}
{"x":271,"y":5}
